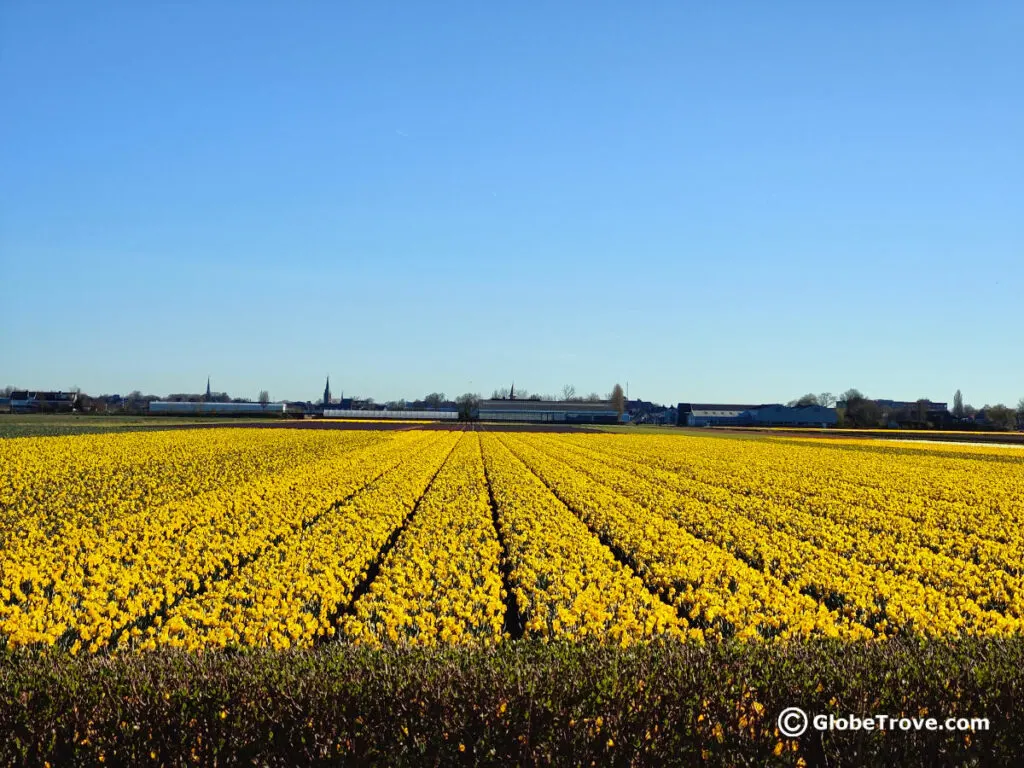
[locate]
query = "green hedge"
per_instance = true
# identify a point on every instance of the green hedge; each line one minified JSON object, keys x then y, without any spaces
{"x":524,"y":703}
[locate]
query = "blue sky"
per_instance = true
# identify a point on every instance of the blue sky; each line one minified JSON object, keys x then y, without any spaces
{"x":728,"y":202}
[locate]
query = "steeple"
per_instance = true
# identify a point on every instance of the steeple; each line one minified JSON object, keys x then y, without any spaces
{"x":327,"y":392}
{"x":208,"y":389}
{"x":512,"y":392}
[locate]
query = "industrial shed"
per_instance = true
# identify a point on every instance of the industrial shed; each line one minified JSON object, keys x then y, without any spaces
{"x":167,"y":408}
{"x":711,"y":415}
{"x":784,"y":416}
{"x":348,"y":413}
{"x":562,"y":412}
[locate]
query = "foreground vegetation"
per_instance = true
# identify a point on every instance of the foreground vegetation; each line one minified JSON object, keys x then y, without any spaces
{"x":524,"y":703}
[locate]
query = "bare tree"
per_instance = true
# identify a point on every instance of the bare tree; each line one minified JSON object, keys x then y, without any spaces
{"x":618,"y":399}
{"x":568,"y":392}
{"x":1020,"y":412}
{"x":500,"y":394}
{"x":827,"y":400}
{"x":264,"y":397}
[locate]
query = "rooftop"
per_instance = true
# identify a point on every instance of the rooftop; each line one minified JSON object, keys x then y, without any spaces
{"x":545,"y":405}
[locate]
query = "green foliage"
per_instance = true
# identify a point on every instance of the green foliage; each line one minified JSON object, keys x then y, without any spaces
{"x":523,"y":703}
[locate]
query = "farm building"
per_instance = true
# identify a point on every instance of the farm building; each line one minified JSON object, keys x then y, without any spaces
{"x":349,"y":413}
{"x":5,"y":405}
{"x":710,"y":415}
{"x":784,"y":416}
{"x":774,"y":415}
{"x":565,"y":412}
{"x":165,"y":408}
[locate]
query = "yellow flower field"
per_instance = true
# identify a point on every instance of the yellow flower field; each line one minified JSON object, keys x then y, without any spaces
{"x":291,"y":538}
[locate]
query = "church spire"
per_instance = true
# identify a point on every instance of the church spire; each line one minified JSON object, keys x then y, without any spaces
{"x":327,"y":391}
{"x":207,"y":388}
{"x":512,"y":392}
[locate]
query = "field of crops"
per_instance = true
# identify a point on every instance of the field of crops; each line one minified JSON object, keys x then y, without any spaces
{"x":289,"y":538}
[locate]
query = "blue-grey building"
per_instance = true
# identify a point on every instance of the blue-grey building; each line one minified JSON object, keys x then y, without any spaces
{"x":710,"y":414}
{"x":769,"y":415}
{"x":785,"y":416}
{"x":556,"y":411}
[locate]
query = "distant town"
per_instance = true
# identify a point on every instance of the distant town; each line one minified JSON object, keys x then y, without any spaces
{"x":850,"y":409}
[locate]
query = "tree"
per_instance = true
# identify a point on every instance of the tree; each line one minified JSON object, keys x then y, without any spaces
{"x":958,"y":404}
{"x":1020,"y":412}
{"x":827,"y":400}
{"x":468,"y":403}
{"x":970,"y":411}
{"x":568,"y":392}
{"x":861,"y":412}
{"x":434,"y":399}
{"x":500,"y":394}
{"x":806,"y":400}
{"x":921,"y":411}
{"x":851,"y":394}
{"x":1000,"y":416}
{"x":264,"y":397}
{"x":618,"y":399}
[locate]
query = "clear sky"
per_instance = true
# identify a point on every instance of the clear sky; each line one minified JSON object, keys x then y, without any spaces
{"x":711,"y":201}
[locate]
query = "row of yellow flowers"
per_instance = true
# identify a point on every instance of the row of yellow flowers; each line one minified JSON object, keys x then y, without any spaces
{"x":951,"y":523}
{"x":441,"y":583}
{"x":715,"y":591}
{"x":566,"y":582}
{"x":869,"y":576}
{"x":289,"y":596}
{"x":89,"y":584}
{"x":49,"y":484}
